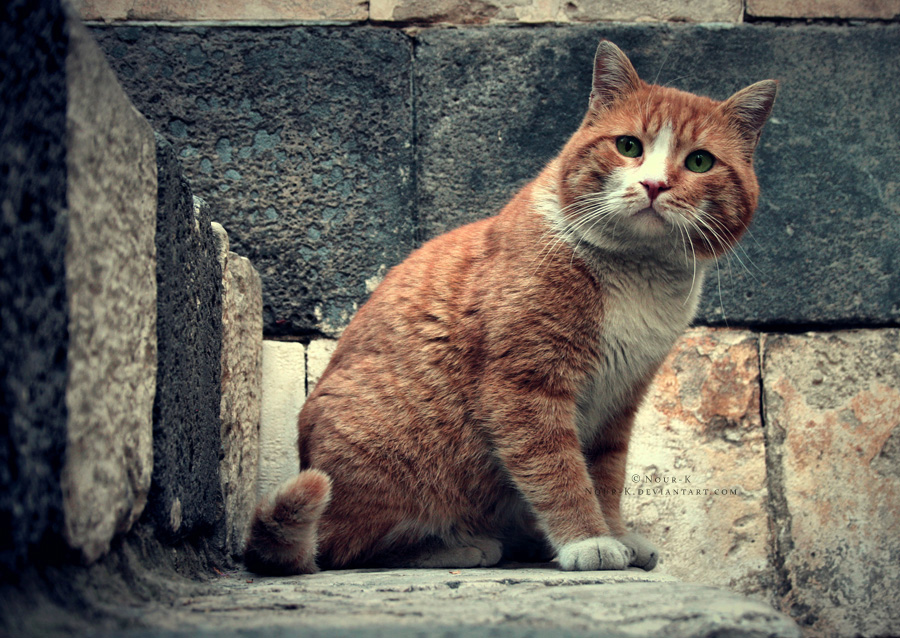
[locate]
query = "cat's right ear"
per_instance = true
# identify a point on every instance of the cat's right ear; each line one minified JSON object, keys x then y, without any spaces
{"x":614,"y":76}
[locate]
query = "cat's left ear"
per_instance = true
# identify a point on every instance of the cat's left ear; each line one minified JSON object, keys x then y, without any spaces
{"x":749,"y":108}
{"x":614,"y":76}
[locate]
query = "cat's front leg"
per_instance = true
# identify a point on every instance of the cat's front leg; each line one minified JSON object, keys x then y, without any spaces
{"x":607,"y":469}
{"x":540,"y":450}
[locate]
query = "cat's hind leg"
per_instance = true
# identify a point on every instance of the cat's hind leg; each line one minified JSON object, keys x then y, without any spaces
{"x":473,"y":552}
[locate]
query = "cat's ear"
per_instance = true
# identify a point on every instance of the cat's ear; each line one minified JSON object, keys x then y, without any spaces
{"x":614,"y":76}
{"x":749,"y":108}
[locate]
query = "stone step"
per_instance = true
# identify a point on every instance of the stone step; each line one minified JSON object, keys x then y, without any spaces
{"x":758,"y":463}
{"x":516,"y":601}
{"x":119,"y":400}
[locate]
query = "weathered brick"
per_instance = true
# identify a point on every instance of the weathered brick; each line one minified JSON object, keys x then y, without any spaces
{"x":318,"y":354}
{"x":241,"y":390}
{"x":226,"y":10}
{"x":872,"y":9}
{"x":696,"y":475}
{"x":283,"y":394}
{"x":832,"y":407}
{"x":536,"y":11}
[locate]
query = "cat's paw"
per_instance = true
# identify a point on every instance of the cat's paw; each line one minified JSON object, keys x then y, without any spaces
{"x":644,"y":553}
{"x":600,"y":552}
{"x":480,"y":552}
{"x":491,"y":550}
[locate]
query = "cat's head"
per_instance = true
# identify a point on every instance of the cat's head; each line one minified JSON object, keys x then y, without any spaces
{"x":657,"y":167}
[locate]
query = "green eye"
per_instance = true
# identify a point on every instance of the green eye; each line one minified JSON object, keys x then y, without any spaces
{"x":700,"y":161}
{"x":629,"y":146}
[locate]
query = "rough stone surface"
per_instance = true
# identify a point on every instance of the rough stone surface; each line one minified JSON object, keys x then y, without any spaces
{"x":316,"y":164}
{"x":303,"y":136}
{"x":283,"y":394}
{"x":186,"y":494}
{"x":833,"y":419}
{"x":33,"y":309}
{"x":241,"y":394}
{"x":878,"y":9}
{"x":112,"y":293}
{"x":517,"y":602}
{"x":318,"y":354}
{"x":531,"y":11}
{"x":493,"y":105}
{"x":697,"y":464}
{"x":226,"y":10}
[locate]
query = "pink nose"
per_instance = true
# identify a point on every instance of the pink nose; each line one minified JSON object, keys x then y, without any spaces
{"x":654,"y":188}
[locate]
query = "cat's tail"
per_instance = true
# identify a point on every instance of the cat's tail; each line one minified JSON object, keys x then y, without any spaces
{"x":282,"y":538}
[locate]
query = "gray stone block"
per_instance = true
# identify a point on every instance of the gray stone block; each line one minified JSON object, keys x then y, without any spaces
{"x":241,"y":391}
{"x":832,"y":415}
{"x":302,"y":136}
{"x":493,"y":105}
{"x":77,"y":292}
{"x":112,"y":299}
{"x":186,"y":494}
{"x":33,"y":311}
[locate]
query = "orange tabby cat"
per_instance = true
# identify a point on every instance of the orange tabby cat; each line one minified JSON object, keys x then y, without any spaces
{"x":480,"y":403}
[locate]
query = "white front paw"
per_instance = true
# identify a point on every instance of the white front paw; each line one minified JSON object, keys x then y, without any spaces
{"x":645,"y":553}
{"x":600,"y":552}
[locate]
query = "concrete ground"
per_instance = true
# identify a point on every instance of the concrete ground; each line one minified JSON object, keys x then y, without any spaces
{"x":503,"y":602}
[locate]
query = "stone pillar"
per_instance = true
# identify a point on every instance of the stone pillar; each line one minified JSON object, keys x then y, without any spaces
{"x":186,"y":493}
{"x":77,"y":292}
{"x":111,"y":288}
{"x":241,"y":389}
{"x":283,"y":394}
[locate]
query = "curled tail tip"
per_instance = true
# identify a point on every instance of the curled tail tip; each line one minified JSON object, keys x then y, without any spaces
{"x":312,"y":487}
{"x":282,"y":537}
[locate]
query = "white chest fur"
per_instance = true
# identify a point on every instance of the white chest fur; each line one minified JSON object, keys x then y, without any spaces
{"x":644,"y":313}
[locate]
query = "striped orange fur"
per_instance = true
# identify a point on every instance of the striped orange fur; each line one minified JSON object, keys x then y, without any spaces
{"x":480,"y":403}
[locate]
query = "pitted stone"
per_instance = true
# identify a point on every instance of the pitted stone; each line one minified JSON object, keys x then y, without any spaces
{"x":241,"y":392}
{"x":186,"y":494}
{"x":494,"y":105}
{"x":33,"y":309}
{"x":302,"y":136}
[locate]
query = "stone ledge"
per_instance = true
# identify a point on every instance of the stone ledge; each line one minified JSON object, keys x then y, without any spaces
{"x":480,"y":12}
{"x":514,"y":601}
{"x":224,"y":10}
{"x":843,"y":9}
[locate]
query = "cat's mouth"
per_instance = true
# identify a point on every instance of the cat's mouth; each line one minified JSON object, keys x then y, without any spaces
{"x":649,"y":215}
